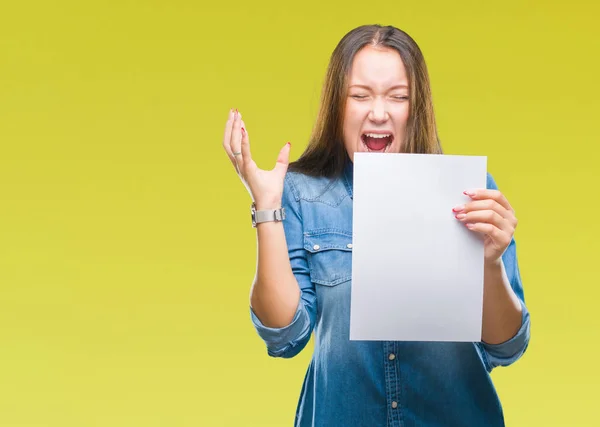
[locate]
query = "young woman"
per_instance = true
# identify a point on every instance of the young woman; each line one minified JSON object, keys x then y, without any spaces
{"x":376,"y":97}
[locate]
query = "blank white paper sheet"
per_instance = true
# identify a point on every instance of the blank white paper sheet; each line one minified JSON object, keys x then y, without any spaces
{"x":417,"y":272}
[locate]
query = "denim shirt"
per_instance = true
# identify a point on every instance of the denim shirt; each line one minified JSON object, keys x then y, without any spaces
{"x":374,"y":383}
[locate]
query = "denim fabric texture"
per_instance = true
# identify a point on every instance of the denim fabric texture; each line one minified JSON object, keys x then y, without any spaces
{"x":374,"y":383}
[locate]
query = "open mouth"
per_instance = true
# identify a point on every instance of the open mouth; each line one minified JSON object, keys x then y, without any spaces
{"x":377,"y":143}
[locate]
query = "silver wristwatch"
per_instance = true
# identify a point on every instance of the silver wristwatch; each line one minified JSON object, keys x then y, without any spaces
{"x":266,"y":215}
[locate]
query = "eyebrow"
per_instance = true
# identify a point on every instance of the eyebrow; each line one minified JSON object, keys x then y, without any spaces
{"x":368,"y":87}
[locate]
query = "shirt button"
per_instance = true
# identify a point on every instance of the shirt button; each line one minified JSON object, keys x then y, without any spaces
{"x":394,"y":404}
{"x":349,"y":245}
{"x":316,"y":247}
{"x":392,"y":356}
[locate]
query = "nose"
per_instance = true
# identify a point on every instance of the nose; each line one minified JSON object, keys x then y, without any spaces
{"x":378,"y":111}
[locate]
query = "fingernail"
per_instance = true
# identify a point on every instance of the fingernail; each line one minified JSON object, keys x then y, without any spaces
{"x":469,"y":193}
{"x":461,"y":216}
{"x":469,"y":225}
{"x":290,"y":144}
{"x":243,"y":131}
{"x":459,"y":208}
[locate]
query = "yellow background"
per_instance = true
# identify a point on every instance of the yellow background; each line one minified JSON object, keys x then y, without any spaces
{"x":126,"y":252}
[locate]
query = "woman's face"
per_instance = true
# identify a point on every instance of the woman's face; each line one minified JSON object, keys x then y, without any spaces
{"x":377,"y":103}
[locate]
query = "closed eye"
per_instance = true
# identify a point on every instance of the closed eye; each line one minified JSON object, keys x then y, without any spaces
{"x":358,"y":96}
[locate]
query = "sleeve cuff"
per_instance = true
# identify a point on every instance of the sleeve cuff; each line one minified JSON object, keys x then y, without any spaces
{"x":280,"y":340}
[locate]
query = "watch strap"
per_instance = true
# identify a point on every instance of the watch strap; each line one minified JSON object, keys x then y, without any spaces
{"x":270,"y":215}
{"x":267,"y":215}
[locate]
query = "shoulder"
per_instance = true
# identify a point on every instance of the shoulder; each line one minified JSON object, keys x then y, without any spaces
{"x":315,"y":189}
{"x":490,"y":183}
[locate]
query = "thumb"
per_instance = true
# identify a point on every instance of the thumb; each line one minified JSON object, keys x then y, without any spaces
{"x":283,"y":160}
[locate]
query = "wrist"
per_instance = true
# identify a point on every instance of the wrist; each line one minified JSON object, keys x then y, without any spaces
{"x":267,"y":204}
{"x":263,"y":214}
{"x":493,"y":267}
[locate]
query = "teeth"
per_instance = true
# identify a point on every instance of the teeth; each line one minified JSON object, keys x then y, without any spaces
{"x":377,"y":135}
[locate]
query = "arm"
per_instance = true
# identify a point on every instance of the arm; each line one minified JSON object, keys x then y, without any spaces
{"x":275,"y":293}
{"x":513,"y":346}
{"x":506,"y":324}
{"x":502,"y":310}
{"x":283,"y":299}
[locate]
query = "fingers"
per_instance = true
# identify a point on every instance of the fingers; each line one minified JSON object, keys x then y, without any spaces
{"x":490,"y":204}
{"x":245,"y":156}
{"x":483,"y":194}
{"x":283,"y":160}
{"x":481,"y":205}
{"x":235,"y":142}
{"x":487,"y":217}
{"x":227,"y":136}
{"x":500,"y":238}
{"x":490,"y":214}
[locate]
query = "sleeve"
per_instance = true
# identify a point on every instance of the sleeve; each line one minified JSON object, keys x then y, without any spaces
{"x":288,"y":341}
{"x":510,"y":351}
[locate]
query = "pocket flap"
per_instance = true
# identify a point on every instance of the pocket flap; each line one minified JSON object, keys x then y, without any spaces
{"x":329,"y":257}
{"x":321,"y":241}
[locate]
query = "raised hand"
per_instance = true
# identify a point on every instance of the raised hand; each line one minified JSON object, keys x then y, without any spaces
{"x":265,"y":186}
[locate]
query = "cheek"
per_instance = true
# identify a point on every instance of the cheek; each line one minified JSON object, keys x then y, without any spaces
{"x":401,"y":118}
{"x":353,"y":119}
{"x":354,"y":114}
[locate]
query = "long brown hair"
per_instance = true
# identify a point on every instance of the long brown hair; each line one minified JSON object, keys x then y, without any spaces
{"x":326,"y":154}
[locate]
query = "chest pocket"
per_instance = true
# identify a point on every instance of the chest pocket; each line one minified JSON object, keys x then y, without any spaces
{"x":330,"y":256}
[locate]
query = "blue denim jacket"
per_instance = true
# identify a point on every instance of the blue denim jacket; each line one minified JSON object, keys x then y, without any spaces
{"x":374,"y":383}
